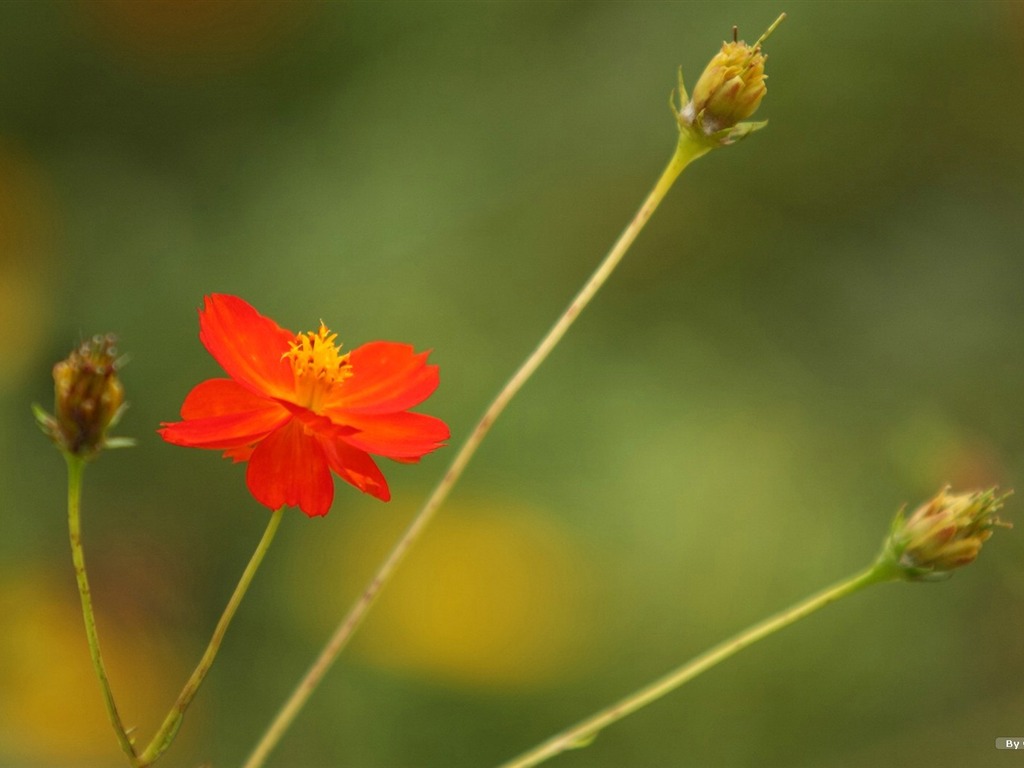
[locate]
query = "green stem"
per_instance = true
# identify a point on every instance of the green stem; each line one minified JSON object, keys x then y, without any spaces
{"x":584,"y":732}
{"x":687,"y":150}
{"x":76,"y":467}
{"x":172,"y":722}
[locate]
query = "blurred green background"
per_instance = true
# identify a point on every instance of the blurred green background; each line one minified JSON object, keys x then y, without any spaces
{"x":821,"y":324}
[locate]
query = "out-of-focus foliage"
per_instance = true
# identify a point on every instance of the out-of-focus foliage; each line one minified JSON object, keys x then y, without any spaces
{"x":822,"y":323}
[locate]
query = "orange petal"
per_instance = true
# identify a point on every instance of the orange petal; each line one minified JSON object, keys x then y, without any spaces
{"x":397,"y":435}
{"x":219,"y":432}
{"x":240,"y":453}
{"x":289,"y":468}
{"x":386,"y":377}
{"x":221,"y":414}
{"x":217,"y":397}
{"x":356,"y":468}
{"x":248,"y":346}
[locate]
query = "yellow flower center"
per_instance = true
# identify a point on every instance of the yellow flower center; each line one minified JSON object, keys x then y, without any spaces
{"x":318,"y":365}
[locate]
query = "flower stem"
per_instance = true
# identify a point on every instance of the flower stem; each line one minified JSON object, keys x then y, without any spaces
{"x":172,"y":722}
{"x":581,"y":734}
{"x":686,"y":151}
{"x":76,"y":467}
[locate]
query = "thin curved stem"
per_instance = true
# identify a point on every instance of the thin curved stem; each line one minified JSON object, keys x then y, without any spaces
{"x":76,"y":467}
{"x":163,"y":738}
{"x":581,"y":734}
{"x":687,"y":150}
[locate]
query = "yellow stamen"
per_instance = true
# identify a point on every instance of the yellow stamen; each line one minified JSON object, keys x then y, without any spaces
{"x":317,"y":362}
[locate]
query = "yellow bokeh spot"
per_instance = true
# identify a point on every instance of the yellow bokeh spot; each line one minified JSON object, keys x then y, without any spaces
{"x":51,"y":708}
{"x":493,"y":596}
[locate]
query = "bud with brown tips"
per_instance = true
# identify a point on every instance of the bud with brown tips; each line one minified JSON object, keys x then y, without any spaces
{"x":88,"y":399}
{"x":942,"y":534}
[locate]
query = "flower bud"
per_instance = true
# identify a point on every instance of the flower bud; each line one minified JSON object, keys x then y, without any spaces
{"x":942,"y":534}
{"x":729,"y":90}
{"x":88,"y":398}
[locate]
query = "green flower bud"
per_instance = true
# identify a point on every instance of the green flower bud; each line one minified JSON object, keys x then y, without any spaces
{"x":943,"y":534}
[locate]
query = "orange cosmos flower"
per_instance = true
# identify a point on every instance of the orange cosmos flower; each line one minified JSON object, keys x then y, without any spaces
{"x":296,"y":408}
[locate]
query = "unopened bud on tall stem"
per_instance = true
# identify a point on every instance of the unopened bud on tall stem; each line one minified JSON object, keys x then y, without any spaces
{"x":88,"y":399}
{"x":942,"y":534}
{"x":729,"y":90}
